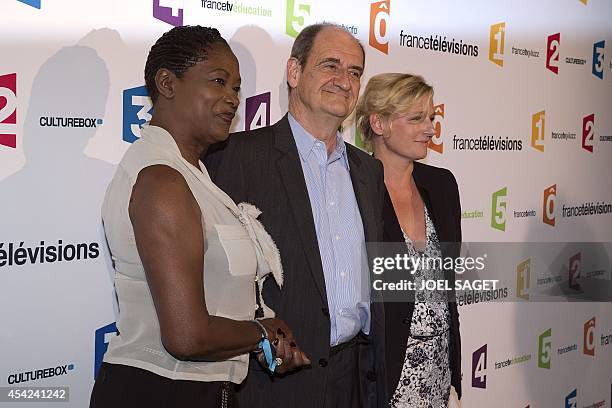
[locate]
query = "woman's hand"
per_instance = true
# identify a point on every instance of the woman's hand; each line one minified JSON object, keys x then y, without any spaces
{"x":287,"y":352}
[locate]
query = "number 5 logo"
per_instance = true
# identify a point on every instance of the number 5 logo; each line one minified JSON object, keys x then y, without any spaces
{"x":257,"y":111}
{"x":499,"y":209}
{"x":552,"y":52}
{"x":588,"y":125}
{"x":137,"y":109}
{"x":544,"y":349}
{"x":296,"y":16}
{"x":598,"y":59}
{"x":379,"y":25}
{"x":8,"y":110}
{"x":479,"y":368}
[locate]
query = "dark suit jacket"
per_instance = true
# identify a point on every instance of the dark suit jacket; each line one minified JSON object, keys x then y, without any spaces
{"x":263,"y":167}
{"x":439,"y":191}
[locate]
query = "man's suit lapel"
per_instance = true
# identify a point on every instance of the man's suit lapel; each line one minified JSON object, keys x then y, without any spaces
{"x":358,"y":179}
{"x":290,"y":169}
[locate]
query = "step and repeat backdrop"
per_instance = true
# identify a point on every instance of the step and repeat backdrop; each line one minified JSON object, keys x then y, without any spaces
{"x":523,"y":119}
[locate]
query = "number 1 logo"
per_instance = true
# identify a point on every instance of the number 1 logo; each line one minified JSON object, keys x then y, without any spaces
{"x":598,"y":59}
{"x":479,"y":368}
{"x":544,"y":349}
{"x":257,"y":111}
{"x":499,"y":209}
{"x":8,"y":110}
{"x":538,"y":121}
{"x":137,"y":110}
{"x":523,"y":277}
{"x":497,"y":38}
{"x":552,"y":52}
{"x":588,"y":129}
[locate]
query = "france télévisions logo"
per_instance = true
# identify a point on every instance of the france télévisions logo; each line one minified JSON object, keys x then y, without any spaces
{"x":571,"y":399}
{"x":553,"y":44}
{"x":379,"y":25}
{"x":588,"y":347}
{"x":548,"y":205}
{"x":102,"y":338}
{"x":32,"y":3}
{"x":598,"y":59}
{"x":137,"y":109}
{"x":436,"y":143}
{"x":479,"y":368}
{"x":523,"y":279}
{"x":169,"y":11}
{"x":544,"y":349}
{"x":538,"y":122}
{"x":499,"y":209}
{"x":39,"y":374}
{"x":8,"y":110}
{"x":588,"y":132}
{"x":257,"y":111}
{"x":497,"y":39}
{"x":296,"y":17}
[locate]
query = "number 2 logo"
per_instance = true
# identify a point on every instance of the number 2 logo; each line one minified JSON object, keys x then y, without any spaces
{"x":588,"y":129}
{"x":8,"y":110}
{"x":552,"y":52}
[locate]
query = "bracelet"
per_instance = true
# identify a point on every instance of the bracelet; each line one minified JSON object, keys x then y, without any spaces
{"x":264,"y":334}
{"x":264,"y":345}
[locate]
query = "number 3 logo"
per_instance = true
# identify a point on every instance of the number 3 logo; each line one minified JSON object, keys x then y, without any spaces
{"x":598,"y":59}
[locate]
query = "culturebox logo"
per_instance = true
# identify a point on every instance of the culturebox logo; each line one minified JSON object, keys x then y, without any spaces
{"x":571,"y":399}
{"x":32,"y":3}
{"x":379,"y":25}
{"x":479,"y":368}
{"x":257,"y":111}
{"x":296,"y":17}
{"x":548,"y":205}
{"x":553,"y":43}
{"x":544,"y":349}
{"x":538,"y":125}
{"x":8,"y":110}
{"x":499,"y":209}
{"x":598,"y":59}
{"x":40,"y":374}
{"x":588,"y":343}
{"x":436,"y":143}
{"x":523,"y":279}
{"x":169,"y":11}
{"x":137,"y":110}
{"x":497,"y":39}
{"x":588,"y":132}
{"x":101,"y":339}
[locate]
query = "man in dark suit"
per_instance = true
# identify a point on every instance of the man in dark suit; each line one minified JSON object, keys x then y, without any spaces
{"x":321,"y":200}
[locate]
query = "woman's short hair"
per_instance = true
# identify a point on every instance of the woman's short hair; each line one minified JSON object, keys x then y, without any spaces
{"x":177,"y":50}
{"x":389,"y":94}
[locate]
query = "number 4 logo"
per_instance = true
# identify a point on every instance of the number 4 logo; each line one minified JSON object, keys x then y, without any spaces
{"x":169,"y":11}
{"x":479,"y":368}
{"x":257,"y":111}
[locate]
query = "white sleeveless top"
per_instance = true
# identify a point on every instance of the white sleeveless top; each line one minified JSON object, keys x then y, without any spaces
{"x":236,"y":250}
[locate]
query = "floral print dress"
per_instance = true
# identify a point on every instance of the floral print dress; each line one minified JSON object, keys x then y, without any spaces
{"x":425,"y":380}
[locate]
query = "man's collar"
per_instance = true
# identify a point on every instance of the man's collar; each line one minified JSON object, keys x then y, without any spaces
{"x":305,"y":142}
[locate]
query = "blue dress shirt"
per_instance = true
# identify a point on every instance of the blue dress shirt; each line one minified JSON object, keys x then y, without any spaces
{"x":339,"y":233}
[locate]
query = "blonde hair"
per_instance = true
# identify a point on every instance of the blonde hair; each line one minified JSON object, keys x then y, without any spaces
{"x":389,"y":94}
